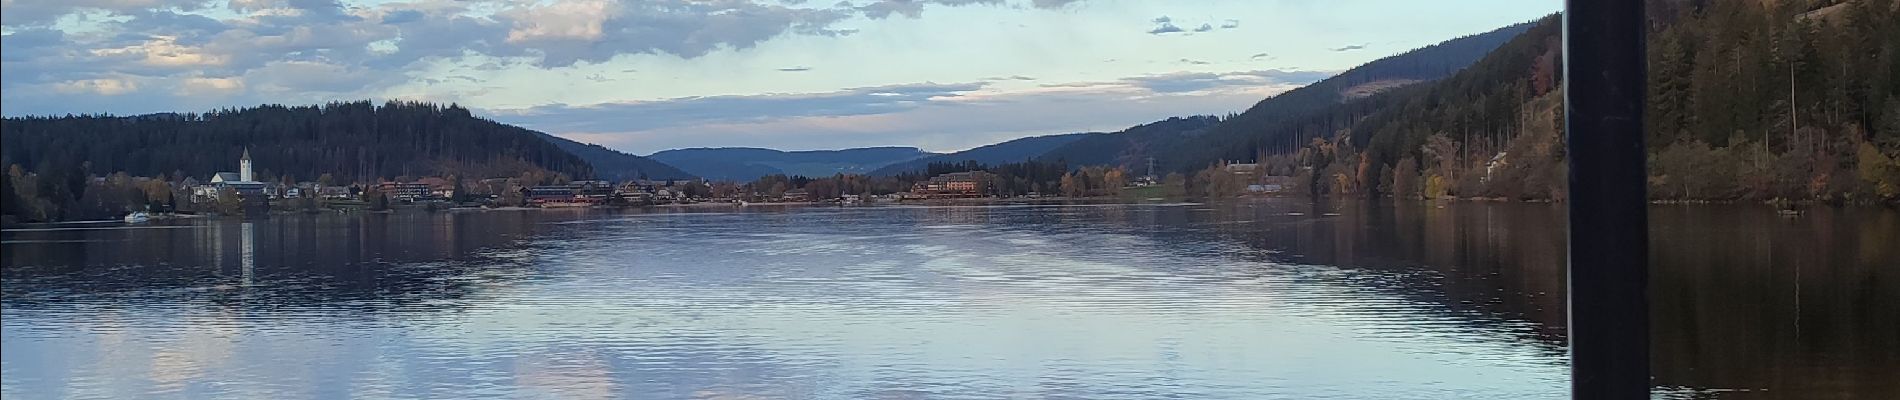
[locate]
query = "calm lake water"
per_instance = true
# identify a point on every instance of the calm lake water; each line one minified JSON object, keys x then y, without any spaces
{"x":1269,"y":299}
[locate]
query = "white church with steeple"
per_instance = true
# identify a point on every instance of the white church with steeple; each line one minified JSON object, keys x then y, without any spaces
{"x":243,"y":181}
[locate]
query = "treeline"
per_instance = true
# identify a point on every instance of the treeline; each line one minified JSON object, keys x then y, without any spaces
{"x":1748,"y":101}
{"x":25,"y":196}
{"x":56,"y":163}
{"x":1048,"y":178}
{"x":354,"y":141}
{"x":1775,"y":100}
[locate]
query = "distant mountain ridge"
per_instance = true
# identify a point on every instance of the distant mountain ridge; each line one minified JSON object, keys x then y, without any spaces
{"x":748,"y":163}
{"x":1006,"y":152}
{"x":614,"y":165}
{"x":1174,"y":144}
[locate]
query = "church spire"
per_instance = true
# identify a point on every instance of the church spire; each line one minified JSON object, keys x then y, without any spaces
{"x":244,"y":166}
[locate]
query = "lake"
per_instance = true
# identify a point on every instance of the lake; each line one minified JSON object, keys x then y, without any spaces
{"x":1264,"y":299}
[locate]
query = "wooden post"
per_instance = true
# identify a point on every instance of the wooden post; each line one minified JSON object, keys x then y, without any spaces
{"x":1604,"y":72}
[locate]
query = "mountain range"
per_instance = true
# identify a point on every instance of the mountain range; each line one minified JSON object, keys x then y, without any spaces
{"x":746,"y":163}
{"x":448,"y":140}
{"x":614,"y":165}
{"x":1187,"y":143}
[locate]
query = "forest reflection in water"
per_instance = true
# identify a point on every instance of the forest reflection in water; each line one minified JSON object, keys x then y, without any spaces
{"x":1407,"y":299}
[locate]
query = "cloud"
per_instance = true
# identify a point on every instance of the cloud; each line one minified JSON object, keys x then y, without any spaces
{"x":164,"y":52}
{"x":199,"y":86}
{"x":1350,"y":47}
{"x":1193,"y":62}
{"x":27,"y":44}
{"x":561,"y":20}
{"x":1051,"y":4}
{"x":1165,"y":25}
{"x":565,"y":32}
{"x":402,"y":16}
{"x":42,"y":13}
{"x":795,"y":69}
{"x":1198,"y":81}
{"x":121,"y":46}
{"x":691,"y":111}
{"x":102,"y":87}
{"x":1165,"y":28}
{"x":1261,"y":56}
{"x":881,"y":9}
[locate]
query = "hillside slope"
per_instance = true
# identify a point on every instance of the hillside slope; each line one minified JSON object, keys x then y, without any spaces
{"x":1729,"y":117}
{"x":1006,"y":152}
{"x":1130,"y":148}
{"x":1330,"y":104}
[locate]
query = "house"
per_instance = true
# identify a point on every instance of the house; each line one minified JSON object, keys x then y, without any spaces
{"x":796,"y":195}
{"x":573,"y":194}
{"x":439,"y":188}
{"x":1243,"y":169}
{"x":951,"y":185}
{"x":666,"y":182}
{"x":634,"y":189}
{"x":410,"y":191}
{"x":336,"y":192}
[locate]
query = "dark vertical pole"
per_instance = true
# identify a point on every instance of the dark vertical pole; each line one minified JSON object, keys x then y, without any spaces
{"x":1604,"y":71}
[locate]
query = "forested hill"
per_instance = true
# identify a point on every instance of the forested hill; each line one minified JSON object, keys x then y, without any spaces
{"x":1130,"y":148}
{"x":614,"y":165}
{"x":1194,"y":147}
{"x":1491,"y":130}
{"x":1018,"y":150}
{"x":1748,"y":101}
{"x":350,"y":141}
{"x":1329,"y":105}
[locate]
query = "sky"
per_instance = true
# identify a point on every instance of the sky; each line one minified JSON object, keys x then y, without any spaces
{"x":648,"y":75}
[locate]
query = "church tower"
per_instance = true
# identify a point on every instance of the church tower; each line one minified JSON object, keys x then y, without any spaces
{"x":244,"y":166}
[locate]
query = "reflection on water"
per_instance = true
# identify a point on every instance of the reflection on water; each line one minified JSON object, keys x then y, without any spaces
{"x":1250,"y":300}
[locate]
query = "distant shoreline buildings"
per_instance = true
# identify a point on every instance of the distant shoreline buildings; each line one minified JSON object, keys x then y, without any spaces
{"x":493,"y":192}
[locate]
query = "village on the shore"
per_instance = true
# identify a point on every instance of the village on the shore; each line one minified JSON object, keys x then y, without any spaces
{"x":242,"y":193}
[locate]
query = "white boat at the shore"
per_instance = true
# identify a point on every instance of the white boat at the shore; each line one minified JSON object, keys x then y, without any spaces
{"x":137,"y":217}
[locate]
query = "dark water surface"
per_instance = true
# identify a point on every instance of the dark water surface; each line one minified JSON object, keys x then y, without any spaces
{"x":1270,"y":299}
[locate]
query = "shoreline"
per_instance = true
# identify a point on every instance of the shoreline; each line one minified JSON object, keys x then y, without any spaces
{"x":966,"y":202}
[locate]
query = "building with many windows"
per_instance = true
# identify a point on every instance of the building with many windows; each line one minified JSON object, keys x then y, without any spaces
{"x":954,"y":185}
